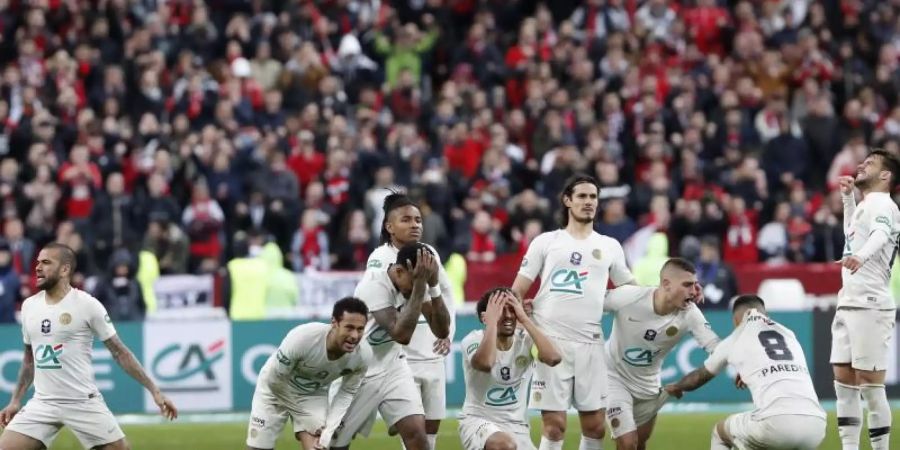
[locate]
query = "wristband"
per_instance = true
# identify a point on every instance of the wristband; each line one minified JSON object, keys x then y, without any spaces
{"x":434,"y":291}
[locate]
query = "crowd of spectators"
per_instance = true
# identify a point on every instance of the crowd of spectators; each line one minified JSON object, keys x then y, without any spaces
{"x":187,"y":127}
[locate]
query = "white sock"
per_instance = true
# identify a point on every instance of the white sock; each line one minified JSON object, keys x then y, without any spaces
{"x":547,"y":444}
{"x":879,"y":420}
{"x":590,"y":443}
{"x":849,"y":415}
{"x":432,"y":441}
{"x":716,"y":443}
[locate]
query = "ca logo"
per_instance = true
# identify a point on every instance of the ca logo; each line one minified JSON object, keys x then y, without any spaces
{"x":568,"y":281}
{"x":502,"y":396}
{"x":379,"y":336}
{"x":639,"y":357}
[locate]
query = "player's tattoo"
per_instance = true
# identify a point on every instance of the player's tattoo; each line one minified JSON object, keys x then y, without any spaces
{"x":126,"y":360}
{"x":694,"y":380}
{"x":26,"y":375}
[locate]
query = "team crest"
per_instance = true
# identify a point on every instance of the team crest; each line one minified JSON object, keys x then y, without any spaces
{"x":253,"y":432}
{"x":524,"y":262}
{"x":65,"y":318}
{"x":521,"y":361}
{"x":536,"y":396}
{"x":45,"y":326}
{"x":650,"y":335}
{"x":614,"y":422}
{"x":575,"y":259}
{"x":671,"y":331}
{"x":596,"y":254}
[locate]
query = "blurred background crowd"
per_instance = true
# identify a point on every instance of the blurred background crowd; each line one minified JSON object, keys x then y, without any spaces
{"x":198,"y":131}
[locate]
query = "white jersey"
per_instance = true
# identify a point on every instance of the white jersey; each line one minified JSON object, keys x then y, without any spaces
{"x":300,"y":367}
{"x":574,"y":274}
{"x":62,"y":338}
{"x":421,"y":346}
{"x":868,"y":287}
{"x":499,"y":396}
{"x":378,"y":292}
{"x":771,"y":363}
{"x":641,"y":338}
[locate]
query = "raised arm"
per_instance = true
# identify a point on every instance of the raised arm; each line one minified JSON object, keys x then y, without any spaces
{"x":848,"y":199}
{"x":26,"y":377}
{"x":547,"y":352}
{"x":436,"y":312}
{"x":126,"y":360}
{"x":400,"y":325}
{"x":486,"y":354}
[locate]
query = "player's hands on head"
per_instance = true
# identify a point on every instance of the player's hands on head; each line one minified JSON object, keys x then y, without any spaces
{"x":528,"y":306}
{"x":166,"y":407}
{"x":846,"y":184}
{"x":699,"y":298}
{"x":441,"y":347}
{"x":7,"y":414}
{"x":494,"y":309}
{"x":851,"y":263}
{"x":517,"y":306}
{"x":674,"y":391}
{"x":425,"y":267}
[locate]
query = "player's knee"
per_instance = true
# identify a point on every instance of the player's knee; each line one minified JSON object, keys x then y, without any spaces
{"x":594,"y":430}
{"x":554,"y":428}
{"x":869,"y":377}
{"x":844,"y":373}
{"x":500,"y":441}
{"x":414,"y":438}
{"x":627,"y":442}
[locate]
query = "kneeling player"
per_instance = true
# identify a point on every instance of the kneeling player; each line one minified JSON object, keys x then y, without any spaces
{"x":497,"y":364}
{"x":649,"y":322}
{"x":293,"y":384}
{"x":771,"y":363}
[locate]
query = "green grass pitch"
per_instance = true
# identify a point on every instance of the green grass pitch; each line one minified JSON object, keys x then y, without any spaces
{"x":681,"y":431}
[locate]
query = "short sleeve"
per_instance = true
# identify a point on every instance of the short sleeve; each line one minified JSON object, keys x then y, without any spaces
{"x":533,"y":261}
{"x":702,"y":330}
{"x":290,"y":350}
{"x":374,"y":291}
{"x":619,"y":272}
{"x":881,"y":216}
{"x":99,"y":321}
{"x":719,"y":358}
{"x":622,"y":296}
{"x":25,"y":338}
{"x":470,"y":344}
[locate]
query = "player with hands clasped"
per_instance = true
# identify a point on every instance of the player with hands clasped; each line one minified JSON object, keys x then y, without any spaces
{"x":59,"y":324}
{"x":293,"y":384}
{"x":864,"y":322}
{"x":497,"y":363}
{"x":396,"y":298}
{"x":769,"y":359}
{"x":649,"y":322}
{"x":425,"y":353}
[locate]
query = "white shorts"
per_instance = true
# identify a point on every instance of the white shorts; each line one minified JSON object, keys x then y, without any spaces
{"x":625,"y":413}
{"x":91,"y":421}
{"x":269,"y":414}
{"x":785,"y":431}
{"x":579,"y":380}
{"x":431,"y":381}
{"x":474,"y":433}
{"x":862,"y":337}
{"x":394,"y":395}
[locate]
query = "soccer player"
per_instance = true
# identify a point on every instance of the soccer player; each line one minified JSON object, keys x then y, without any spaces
{"x":497,"y":364}
{"x":649,"y":322}
{"x":574,"y":264}
{"x":396,"y":297}
{"x":294,"y":382}
{"x":864,"y":322}
{"x":58,"y":328}
{"x":770,"y":361}
{"x":402,"y":225}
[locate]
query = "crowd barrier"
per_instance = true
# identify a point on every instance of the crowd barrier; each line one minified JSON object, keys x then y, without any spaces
{"x":212,"y":365}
